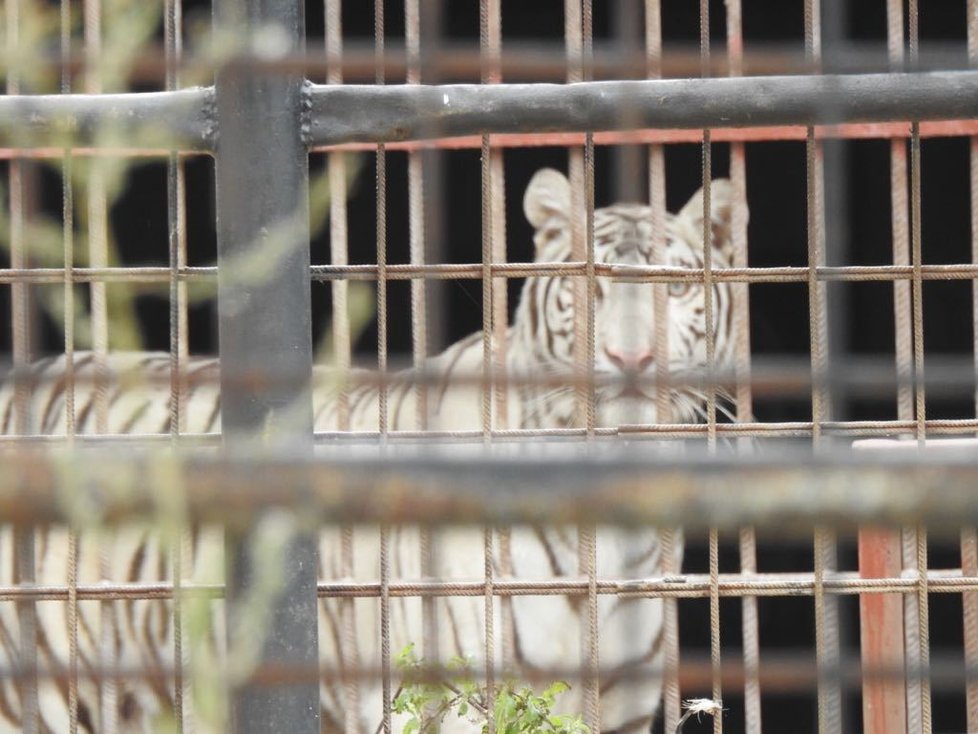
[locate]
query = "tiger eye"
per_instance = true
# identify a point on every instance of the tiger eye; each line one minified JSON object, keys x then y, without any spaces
{"x":679,"y":289}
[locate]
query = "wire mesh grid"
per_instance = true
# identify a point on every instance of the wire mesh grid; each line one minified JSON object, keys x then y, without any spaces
{"x":746,"y":404}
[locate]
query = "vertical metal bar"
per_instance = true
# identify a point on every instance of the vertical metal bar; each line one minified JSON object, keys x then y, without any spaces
{"x":834,"y":21}
{"x":98,"y":257}
{"x":918,"y":355}
{"x":670,"y":537}
{"x":711,"y":406}
{"x":342,"y":355}
{"x":969,"y":536}
{"x":68,"y":237}
{"x":338,"y":248}
{"x":573,"y":43}
{"x":177,"y":229}
{"x":587,"y":536}
{"x":969,"y":568}
{"x":707,"y":168}
{"x":342,"y":358}
{"x":826,"y":617}
{"x":24,"y":564}
{"x":381,"y":215}
{"x":627,"y":160}
{"x":751,"y":636}
{"x":500,"y":316}
{"x":885,"y":639}
{"x":717,"y":689}
{"x":492,"y":63}
{"x":903,"y":306}
{"x":578,"y":39}
{"x":381,"y":221}
{"x":490,"y":641}
{"x":742,"y":362}
{"x":487,"y":59}
{"x":587,"y":55}
{"x":265,"y":336}
{"x":419,"y":316}
{"x":98,"y":224}
{"x":881,"y":615}
{"x":416,"y":222}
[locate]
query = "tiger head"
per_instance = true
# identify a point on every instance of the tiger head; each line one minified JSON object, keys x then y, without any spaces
{"x":624,"y":312}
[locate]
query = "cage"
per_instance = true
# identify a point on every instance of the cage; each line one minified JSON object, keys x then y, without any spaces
{"x":551,"y":345}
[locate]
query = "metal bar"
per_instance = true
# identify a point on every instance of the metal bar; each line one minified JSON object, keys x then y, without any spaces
{"x":882,"y":621}
{"x":265,"y":327}
{"x":882,"y":632}
{"x":98,"y":256}
{"x":834,"y":309}
{"x":618,"y":487}
{"x":826,"y":612}
{"x":163,"y":120}
{"x":670,"y":537}
{"x":416,"y":222}
{"x":181,"y":552}
{"x":873,"y":377}
{"x":419,"y":313}
{"x":362,"y":113}
{"x":68,"y":235}
{"x":473,"y":271}
{"x":382,"y":417}
{"x":536,"y":60}
{"x":587,"y":533}
{"x":969,"y":536}
{"x":370,"y":113}
{"x":706,"y":175}
{"x":651,"y":136}
{"x":969,"y":599}
{"x":638,"y":431}
{"x":782,"y":673}
{"x":23,"y":566}
{"x":918,"y":533}
{"x":938,"y":128}
{"x":342,"y":349}
{"x":489,"y":49}
{"x":743,"y":393}
{"x":692,"y":586}
{"x":627,"y":162}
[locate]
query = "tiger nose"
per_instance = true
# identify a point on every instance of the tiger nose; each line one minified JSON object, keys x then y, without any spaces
{"x":628,"y":361}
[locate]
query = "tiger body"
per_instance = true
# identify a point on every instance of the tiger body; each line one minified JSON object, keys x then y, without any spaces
{"x":546,"y":631}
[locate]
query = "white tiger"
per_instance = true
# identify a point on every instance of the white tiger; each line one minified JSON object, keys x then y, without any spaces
{"x":547,"y":628}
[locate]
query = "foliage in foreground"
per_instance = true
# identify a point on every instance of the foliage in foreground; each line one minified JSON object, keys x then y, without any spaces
{"x":427,"y":699}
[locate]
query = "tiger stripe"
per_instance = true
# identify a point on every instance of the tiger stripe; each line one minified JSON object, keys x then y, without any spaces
{"x":546,"y":628}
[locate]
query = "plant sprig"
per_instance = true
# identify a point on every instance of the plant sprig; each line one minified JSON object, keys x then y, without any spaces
{"x":426,"y":699}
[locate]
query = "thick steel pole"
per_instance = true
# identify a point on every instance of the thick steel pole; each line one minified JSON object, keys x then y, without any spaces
{"x":266,"y":355}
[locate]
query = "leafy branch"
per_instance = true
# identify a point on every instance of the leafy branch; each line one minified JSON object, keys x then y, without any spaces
{"x":426,"y":699}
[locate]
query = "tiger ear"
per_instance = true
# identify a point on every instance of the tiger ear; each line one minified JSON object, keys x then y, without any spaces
{"x":721,"y":214}
{"x":548,"y":195}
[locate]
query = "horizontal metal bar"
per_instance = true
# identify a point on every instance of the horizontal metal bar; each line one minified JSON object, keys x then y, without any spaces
{"x":561,"y":483}
{"x":686,"y":586}
{"x":869,"y":377}
{"x":537,"y":60}
{"x":658,"y":431}
{"x":846,"y":131}
{"x":180,"y":119}
{"x":473,"y":271}
{"x":779,"y":672}
{"x":363,"y":113}
{"x":850,"y":131}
